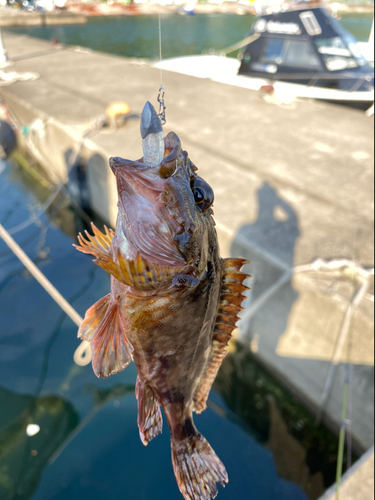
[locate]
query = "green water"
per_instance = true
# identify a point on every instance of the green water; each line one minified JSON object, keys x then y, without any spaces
{"x":182,"y":35}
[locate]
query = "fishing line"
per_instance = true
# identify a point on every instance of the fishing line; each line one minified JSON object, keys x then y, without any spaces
{"x":160,"y":52}
{"x":161,"y":93}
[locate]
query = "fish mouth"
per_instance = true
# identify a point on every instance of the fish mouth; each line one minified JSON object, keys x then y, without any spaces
{"x":151,"y":173}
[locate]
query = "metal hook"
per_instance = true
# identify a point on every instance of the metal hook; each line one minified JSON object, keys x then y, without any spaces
{"x":162,"y":106}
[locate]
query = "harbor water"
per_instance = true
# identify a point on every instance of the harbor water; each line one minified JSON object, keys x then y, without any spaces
{"x":137,"y":36}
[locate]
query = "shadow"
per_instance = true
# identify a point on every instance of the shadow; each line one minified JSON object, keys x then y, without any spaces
{"x":276,"y":229}
{"x":303,"y":454}
{"x":270,"y":244}
{"x":90,"y":186}
{"x":77,"y":179}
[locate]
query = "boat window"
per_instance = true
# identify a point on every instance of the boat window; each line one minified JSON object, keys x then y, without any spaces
{"x":300,"y":53}
{"x":336,"y":54}
{"x":311,"y":23}
{"x":274,"y":50}
{"x":290,"y":52}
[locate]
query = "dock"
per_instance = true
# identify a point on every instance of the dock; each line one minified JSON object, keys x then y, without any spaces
{"x":10,"y":17}
{"x":294,"y":189}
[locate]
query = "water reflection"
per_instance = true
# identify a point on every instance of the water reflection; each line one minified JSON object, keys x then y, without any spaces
{"x":100,"y":398}
{"x":23,"y":457}
{"x":304,"y":454}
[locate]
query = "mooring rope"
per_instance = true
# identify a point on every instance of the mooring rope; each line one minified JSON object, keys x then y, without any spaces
{"x":246,"y":41}
{"x":83,"y":354}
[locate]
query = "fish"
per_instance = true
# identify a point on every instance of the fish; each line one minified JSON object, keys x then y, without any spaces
{"x":173,"y":304}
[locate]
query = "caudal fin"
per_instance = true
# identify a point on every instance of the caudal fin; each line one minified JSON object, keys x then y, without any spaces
{"x":197,"y":468}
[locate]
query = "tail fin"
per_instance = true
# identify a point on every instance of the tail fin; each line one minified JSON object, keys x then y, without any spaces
{"x":197,"y":468}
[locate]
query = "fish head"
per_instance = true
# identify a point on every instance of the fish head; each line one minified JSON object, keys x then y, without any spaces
{"x":164,"y":209}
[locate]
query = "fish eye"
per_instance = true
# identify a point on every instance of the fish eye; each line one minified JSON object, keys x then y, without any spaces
{"x":199,"y":195}
{"x":203,"y":193}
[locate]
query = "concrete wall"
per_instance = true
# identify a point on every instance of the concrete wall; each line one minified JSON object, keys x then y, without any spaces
{"x":358,"y":483}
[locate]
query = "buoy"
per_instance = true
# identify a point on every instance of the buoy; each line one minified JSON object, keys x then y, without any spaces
{"x":8,"y":141}
{"x":267,"y":89}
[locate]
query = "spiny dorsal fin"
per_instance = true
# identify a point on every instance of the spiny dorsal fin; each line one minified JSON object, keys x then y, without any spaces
{"x":231,"y":298}
{"x":137,"y":273}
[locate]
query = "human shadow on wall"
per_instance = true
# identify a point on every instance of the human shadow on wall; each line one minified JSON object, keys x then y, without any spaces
{"x":269,"y":243}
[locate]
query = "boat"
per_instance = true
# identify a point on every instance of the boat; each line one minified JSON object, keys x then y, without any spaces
{"x":301,"y":52}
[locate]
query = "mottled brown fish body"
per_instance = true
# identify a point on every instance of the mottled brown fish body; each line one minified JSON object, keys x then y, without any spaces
{"x":174,"y":335}
{"x":172,"y":308}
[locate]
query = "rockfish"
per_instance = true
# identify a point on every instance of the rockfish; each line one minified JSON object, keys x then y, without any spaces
{"x":173,"y":303}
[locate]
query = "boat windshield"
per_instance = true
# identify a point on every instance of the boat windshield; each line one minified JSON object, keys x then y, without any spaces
{"x":339,"y":55}
{"x":290,"y":52}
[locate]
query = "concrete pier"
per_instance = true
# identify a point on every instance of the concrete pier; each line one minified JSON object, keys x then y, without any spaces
{"x":358,"y":483}
{"x":292,"y":184}
{"x":10,"y":17}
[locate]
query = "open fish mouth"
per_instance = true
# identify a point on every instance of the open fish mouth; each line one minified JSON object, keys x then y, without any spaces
{"x":160,"y":156}
{"x":173,"y":157}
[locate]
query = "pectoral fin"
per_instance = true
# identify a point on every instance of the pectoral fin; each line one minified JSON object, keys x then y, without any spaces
{"x":150,"y":420}
{"x":231,"y":299}
{"x":104,"y":329}
{"x":137,"y":273}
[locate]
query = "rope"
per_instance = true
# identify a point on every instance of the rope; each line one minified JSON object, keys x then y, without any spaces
{"x":317,"y":265}
{"x":11,"y":78}
{"x":239,"y":45}
{"x":83,"y":353}
{"x":340,"y":343}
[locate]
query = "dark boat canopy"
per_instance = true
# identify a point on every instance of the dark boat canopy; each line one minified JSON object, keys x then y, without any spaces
{"x":306,"y":46}
{"x":316,"y":22}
